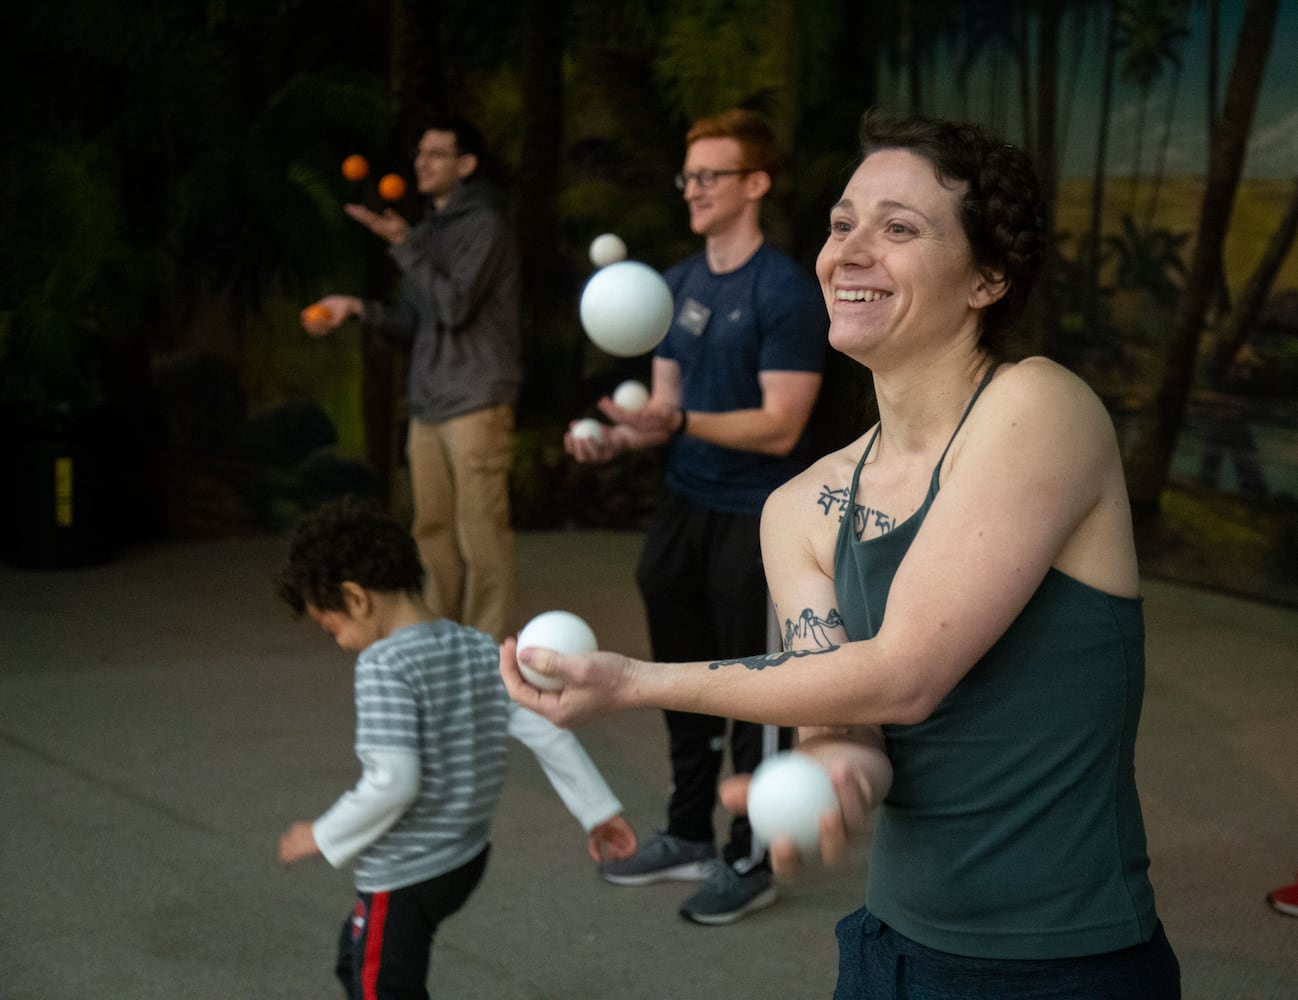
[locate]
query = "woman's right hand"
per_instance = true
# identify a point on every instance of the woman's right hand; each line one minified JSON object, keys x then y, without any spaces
{"x":593,"y":683}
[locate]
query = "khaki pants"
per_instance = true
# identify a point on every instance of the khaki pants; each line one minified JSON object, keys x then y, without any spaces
{"x":459,"y":484}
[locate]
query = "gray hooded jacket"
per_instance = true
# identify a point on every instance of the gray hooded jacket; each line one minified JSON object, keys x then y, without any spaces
{"x":459,"y":308}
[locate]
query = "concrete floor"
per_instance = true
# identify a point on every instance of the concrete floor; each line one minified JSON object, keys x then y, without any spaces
{"x":162,"y":718}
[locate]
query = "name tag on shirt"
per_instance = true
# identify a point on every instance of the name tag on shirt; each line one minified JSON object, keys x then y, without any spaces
{"x":694,"y":316}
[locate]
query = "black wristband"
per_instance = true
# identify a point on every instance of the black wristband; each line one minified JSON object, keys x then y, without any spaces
{"x":685,"y":419}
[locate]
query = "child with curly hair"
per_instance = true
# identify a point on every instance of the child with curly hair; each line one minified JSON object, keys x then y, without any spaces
{"x":432,"y":717}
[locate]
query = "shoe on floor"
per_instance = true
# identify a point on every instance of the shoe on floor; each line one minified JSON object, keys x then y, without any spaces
{"x":661,"y":858}
{"x":727,"y":896}
{"x":1285,"y":900}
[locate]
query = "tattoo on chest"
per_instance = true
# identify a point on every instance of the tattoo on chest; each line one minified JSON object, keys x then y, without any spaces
{"x":764,"y":660}
{"x":831,"y":500}
{"x":811,"y":627}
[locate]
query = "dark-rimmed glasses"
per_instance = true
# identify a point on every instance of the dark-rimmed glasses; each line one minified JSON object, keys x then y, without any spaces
{"x":707,"y":178}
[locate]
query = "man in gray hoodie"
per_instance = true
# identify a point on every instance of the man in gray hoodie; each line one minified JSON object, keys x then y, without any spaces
{"x":459,"y":312}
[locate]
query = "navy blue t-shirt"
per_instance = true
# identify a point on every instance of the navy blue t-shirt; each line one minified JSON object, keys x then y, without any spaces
{"x":767,"y":315}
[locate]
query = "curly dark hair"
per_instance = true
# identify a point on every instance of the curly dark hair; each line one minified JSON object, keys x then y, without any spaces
{"x":1002,"y":211}
{"x":347,"y":540}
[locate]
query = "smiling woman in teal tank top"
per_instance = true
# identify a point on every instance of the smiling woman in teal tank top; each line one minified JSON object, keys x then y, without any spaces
{"x":964,"y":635}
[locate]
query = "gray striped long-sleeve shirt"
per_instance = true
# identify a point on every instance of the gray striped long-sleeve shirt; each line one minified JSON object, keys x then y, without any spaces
{"x":434,"y":689}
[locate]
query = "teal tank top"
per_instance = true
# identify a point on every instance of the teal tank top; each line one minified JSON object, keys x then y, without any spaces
{"x":1012,"y":829}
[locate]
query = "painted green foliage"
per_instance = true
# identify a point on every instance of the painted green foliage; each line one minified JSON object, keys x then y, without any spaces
{"x":174,"y":183}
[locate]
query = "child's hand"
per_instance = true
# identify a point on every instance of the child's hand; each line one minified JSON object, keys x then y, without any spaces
{"x":297,"y":843}
{"x":611,"y":840}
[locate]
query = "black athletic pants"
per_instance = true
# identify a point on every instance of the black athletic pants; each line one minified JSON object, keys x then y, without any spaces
{"x":705,"y":598}
{"x":385,"y":944}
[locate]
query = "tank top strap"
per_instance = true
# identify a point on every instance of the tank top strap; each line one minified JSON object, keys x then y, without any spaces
{"x":986,"y":379}
{"x":869,"y":446}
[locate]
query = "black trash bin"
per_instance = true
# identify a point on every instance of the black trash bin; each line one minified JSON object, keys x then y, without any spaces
{"x":56,"y":507}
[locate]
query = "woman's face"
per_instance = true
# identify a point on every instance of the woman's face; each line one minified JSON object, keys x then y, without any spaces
{"x":897,"y":271}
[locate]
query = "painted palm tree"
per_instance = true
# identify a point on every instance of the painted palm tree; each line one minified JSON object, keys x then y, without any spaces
{"x":1095,"y":233}
{"x":1081,"y":30}
{"x":1027,"y":34}
{"x":1149,"y":456}
{"x":994,"y":37}
{"x":838,"y":79}
{"x":1149,"y":36}
{"x":1212,"y":95}
{"x":1212,"y":63}
{"x":1032,"y":32}
{"x":1149,"y":260}
{"x":1235,"y":331}
{"x":911,"y":39}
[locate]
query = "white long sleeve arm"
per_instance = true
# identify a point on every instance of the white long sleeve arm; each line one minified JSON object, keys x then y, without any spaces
{"x":567,"y":766}
{"x":388,"y":786}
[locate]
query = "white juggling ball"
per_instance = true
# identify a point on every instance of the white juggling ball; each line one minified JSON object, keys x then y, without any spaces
{"x":587,"y":429}
{"x":606,"y":249}
{"x":561,"y":631}
{"x":786,"y":797}
{"x":631,"y":395}
{"x":626,"y":308}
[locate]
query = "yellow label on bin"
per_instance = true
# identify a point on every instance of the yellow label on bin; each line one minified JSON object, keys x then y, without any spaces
{"x":63,"y":492}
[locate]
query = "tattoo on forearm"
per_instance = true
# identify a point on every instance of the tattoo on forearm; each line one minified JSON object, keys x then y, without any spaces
{"x":831,"y":500}
{"x":811,"y":627}
{"x":764,"y":660}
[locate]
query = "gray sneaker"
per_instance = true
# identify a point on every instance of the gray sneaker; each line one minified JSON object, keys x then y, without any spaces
{"x":728,"y":895}
{"x":660,"y":858}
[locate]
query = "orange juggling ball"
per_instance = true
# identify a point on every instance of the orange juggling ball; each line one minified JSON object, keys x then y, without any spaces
{"x":355,"y":167}
{"x":392,"y":187}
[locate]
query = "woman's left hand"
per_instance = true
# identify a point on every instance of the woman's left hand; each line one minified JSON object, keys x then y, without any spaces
{"x":861,"y":776}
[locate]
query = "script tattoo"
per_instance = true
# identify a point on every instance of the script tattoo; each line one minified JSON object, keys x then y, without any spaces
{"x":831,"y":500}
{"x":764,"y":660}
{"x":810,"y":626}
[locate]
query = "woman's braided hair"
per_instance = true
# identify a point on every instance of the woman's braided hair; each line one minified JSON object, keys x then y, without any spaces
{"x":1001,"y":209}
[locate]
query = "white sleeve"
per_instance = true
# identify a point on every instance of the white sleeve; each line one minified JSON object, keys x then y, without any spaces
{"x":567,"y":766}
{"x":389,"y":785}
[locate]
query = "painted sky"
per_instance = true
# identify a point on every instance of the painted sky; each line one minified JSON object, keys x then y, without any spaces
{"x":1273,"y":146}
